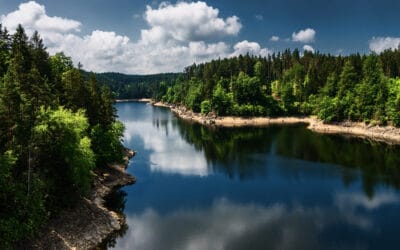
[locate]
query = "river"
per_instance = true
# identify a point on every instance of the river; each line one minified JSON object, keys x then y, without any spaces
{"x":279,"y":187}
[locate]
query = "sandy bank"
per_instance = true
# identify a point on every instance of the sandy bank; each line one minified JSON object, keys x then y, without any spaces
{"x":134,"y":100}
{"x":89,"y":222}
{"x":386,"y":134}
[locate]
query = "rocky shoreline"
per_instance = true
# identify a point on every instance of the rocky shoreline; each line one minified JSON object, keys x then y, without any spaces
{"x":133,"y":100}
{"x":87,"y":224}
{"x":387,"y":134}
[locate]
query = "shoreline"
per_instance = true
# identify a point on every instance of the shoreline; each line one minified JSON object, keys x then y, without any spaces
{"x":89,"y":222}
{"x":387,"y":134}
{"x":134,"y":100}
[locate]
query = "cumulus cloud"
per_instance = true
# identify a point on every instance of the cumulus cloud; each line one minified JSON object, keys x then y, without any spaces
{"x":304,"y":36}
{"x":379,"y":44}
{"x":33,"y":16}
{"x":308,"y":48}
{"x":252,"y":48}
{"x":194,"y":21}
{"x":274,"y":38}
{"x":177,"y":35}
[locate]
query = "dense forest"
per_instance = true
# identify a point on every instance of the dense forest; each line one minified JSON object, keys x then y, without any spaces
{"x":135,"y":86}
{"x":335,"y":88}
{"x":56,"y":126}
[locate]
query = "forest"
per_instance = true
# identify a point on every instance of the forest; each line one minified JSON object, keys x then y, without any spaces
{"x":335,"y":88}
{"x":134,"y":86}
{"x":56,"y":127}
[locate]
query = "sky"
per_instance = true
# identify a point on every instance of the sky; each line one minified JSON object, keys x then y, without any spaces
{"x":144,"y":37}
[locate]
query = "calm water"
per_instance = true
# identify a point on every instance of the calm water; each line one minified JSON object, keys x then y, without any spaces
{"x":254,"y":188}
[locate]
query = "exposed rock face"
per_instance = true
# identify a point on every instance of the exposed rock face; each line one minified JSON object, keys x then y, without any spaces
{"x":90,"y":222}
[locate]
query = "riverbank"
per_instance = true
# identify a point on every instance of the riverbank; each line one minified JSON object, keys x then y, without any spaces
{"x":89,"y":222}
{"x":134,"y":100}
{"x":386,"y":134}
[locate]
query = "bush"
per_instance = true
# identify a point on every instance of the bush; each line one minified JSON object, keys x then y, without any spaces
{"x":107,"y":143}
{"x":205,"y":107}
{"x":328,"y":109}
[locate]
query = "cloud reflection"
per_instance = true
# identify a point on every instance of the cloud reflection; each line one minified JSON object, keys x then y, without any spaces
{"x":226,"y":225}
{"x":169,"y":153}
{"x":350,"y":201}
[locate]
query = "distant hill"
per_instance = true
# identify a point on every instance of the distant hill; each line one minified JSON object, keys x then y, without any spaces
{"x":134,"y":86}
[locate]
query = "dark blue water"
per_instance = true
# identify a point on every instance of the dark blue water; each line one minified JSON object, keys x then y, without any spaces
{"x":254,"y":188}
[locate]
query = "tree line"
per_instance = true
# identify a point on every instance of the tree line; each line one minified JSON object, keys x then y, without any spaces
{"x":335,"y":88}
{"x":56,"y":126}
{"x":126,"y":86}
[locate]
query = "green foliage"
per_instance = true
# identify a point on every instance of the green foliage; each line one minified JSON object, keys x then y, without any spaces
{"x":61,"y":136}
{"x":335,"y":88}
{"x":393,"y":102}
{"x":21,"y":213}
{"x":194,"y":98}
{"x":221,"y":100}
{"x":327,"y":109}
{"x":107,"y":143}
{"x":348,"y":79}
{"x":246,"y":89}
{"x":46,"y":154}
{"x":205,"y":107}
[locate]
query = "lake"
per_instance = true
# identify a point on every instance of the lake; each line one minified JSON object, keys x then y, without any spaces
{"x":279,"y":187}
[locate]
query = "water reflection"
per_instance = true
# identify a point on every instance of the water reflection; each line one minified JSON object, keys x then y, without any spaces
{"x":175,"y":144}
{"x":256,"y":188}
{"x":246,"y":151}
{"x":169,"y":153}
{"x":116,"y":202}
{"x":228,"y":225}
{"x":351,"y":201}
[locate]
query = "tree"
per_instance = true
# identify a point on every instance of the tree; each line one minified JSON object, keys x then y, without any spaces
{"x":64,"y":154}
{"x":372,"y":92}
{"x":5,"y":43}
{"x":40,"y":57}
{"x":46,"y":155}
{"x":221,"y":101}
{"x":246,"y":89}
{"x":348,"y":79}
{"x":393,"y":102}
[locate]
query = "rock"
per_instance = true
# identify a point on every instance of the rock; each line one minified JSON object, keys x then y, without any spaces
{"x":89,"y":223}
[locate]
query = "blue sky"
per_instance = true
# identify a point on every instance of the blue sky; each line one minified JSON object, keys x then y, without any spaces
{"x":136,"y":36}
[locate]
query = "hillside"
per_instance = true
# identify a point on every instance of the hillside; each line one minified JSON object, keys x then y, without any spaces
{"x":126,"y":86}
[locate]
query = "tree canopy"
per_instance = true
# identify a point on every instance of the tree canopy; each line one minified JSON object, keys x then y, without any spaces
{"x":56,"y":126}
{"x":335,"y":88}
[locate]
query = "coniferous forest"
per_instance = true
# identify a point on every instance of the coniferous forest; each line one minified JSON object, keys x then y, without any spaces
{"x":335,"y":88}
{"x":58,"y":123}
{"x":56,"y":126}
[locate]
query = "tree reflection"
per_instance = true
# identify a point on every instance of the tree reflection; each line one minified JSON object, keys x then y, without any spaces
{"x":235,"y":151}
{"x":115,"y":202}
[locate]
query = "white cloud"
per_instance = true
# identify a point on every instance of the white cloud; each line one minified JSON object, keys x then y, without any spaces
{"x":194,"y":21}
{"x":304,"y":36}
{"x":201,"y":49}
{"x":252,"y":48}
{"x":274,"y":38}
{"x":32,"y":16}
{"x":308,"y":48}
{"x":379,"y":44}
{"x":178,"y":35}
